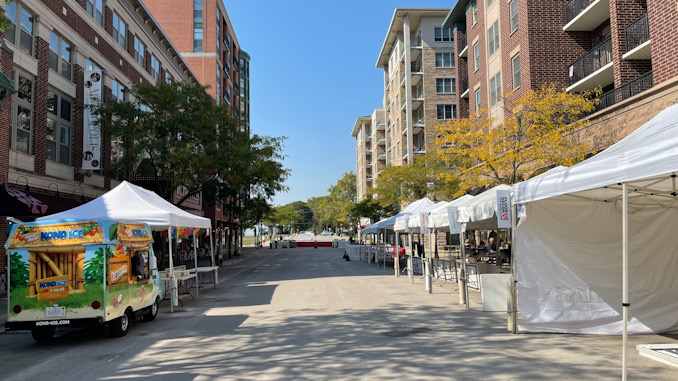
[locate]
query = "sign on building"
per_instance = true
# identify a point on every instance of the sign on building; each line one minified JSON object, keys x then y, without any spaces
{"x":91,"y":136}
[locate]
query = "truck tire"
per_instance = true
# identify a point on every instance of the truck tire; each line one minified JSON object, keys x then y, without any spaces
{"x":43,"y":334}
{"x":120,"y":326}
{"x":152,"y":312}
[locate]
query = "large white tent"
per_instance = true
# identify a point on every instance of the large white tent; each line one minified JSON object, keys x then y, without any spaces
{"x":597,"y":247}
{"x":438,"y":217}
{"x":388,"y":223}
{"x":480,"y":213}
{"x":414,"y":220}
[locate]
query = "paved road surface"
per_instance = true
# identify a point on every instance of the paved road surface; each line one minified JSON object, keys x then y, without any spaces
{"x":307,"y":314}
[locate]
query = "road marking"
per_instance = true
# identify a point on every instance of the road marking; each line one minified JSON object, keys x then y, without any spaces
{"x":114,"y":358}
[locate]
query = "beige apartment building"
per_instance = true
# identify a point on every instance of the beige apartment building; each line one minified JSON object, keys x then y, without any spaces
{"x":370,"y":135}
{"x":419,"y":81}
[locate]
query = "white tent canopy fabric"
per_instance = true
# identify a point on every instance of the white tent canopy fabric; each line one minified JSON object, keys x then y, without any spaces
{"x":415,"y":207}
{"x":129,"y":202}
{"x":569,"y":252}
{"x":438,"y":218}
{"x":414,"y":220}
{"x":480,"y":212}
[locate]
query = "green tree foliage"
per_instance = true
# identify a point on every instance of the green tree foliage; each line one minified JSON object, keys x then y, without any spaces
{"x":4,"y":21}
{"x":372,"y":209}
{"x":334,"y":207}
{"x":284,"y":215}
{"x":399,"y":185}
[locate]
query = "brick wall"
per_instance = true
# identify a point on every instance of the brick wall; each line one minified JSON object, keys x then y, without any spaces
{"x":623,"y":13}
{"x":663,"y":19}
{"x":431,"y":97}
{"x":180,"y":29}
{"x":40,"y":105}
{"x":460,"y":72}
{"x":509,"y":43}
{"x":6,"y":58}
{"x":477,"y":77}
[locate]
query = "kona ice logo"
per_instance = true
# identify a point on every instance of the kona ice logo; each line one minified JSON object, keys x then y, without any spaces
{"x":62,"y":234}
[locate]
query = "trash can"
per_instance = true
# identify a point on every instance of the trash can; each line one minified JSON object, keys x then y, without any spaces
{"x":293,"y":244}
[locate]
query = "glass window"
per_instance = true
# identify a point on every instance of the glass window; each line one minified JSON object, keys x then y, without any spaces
{"x":22,"y":107}
{"x":443,"y":34}
{"x":119,"y":91}
{"x":495,"y":89}
{"x":493,"y":38}
{"x":96,"y":9}
{"x":476,"y":56}
{"x":513,"y":9}
{"x":474,"y":10}
{"x":444,"y":60}
{"x":478,"y":102}
{"x":490,"y":2}
{"x":119,"y":31}
{"x":91,"y":65}
{"x":59,"y":127}
{"x":445,"y":85}
{"x":197,"y":26}
{"x":447,"y":111}
{"x":515,"y":63}
{"x":139,"y":52}
{"x":155,"y":68}
{"x":168,"y":77}
{"x":23,"y":39}
{"x":60,"y":55}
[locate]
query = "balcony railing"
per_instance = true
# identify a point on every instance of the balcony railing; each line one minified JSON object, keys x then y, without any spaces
{"x":598,"y":57}
{"x":416,"y":42}
{"x":404,"y":101}
{"x":575,"y":7}
{"x":463,"y":43}
{"x":418,"y":93}
{"x":418,"y":120}
{"x":404,"y":151}
{"x":626,"y":91}
{"x":402,"y":76}
{"x":464,"y":85}
{"x":381,"y":153}
{"x":404,"y":124}
{"x":416,"y":67}
{"x":637,"y":33}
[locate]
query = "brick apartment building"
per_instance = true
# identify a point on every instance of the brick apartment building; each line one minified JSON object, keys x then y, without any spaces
{"x":208,"y":43}
{"x":624,"y":47}
{"x":370,"y":135}
{"x":44,"y":53}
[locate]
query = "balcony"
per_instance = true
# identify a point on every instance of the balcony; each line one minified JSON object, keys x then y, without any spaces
{"x":417,"y":98}
{"x":368,"y":152}
{"x":227,"y":69}
{"x":404,"y":102}
{"x":638,"y":40}
{"x":626,"y":91}
{"x":368,"y":137}
{"x":236,"y":88}
{"x":464,"y":88}
{"x":404,"y":127}
{"x":236,"y":113}
{"x":585,"y":15}
{"x":381,"y":140}
{"x":381,"y":155}
{"x":593,"y":69}
{"x":404,"y":153}
{"x":419,"y":149}
{"x":464,"y":47}
{"x":402,"y":77}
{"x":415,"y":48}
{"x":415,"y":71}
{"x":380,"y":125}
{"x":417,"y":124}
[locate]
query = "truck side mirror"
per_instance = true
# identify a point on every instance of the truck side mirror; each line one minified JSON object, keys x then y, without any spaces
{"x":153,"y":263}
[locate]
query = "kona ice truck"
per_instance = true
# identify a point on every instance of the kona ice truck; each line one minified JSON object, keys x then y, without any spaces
{"x":75,"y":273}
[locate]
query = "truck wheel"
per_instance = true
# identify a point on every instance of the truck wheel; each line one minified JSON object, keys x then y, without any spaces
{"x":120,"y":326}
{"x":152,"y":312}
{"x":43,"y":334}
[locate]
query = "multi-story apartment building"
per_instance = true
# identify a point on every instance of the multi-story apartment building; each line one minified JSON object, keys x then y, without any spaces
{"x":43,"y":55}
{"x":621,"y":47}
{"x":370,"y":135}
{"x":208,"y":43}
{"x":419,"y":81}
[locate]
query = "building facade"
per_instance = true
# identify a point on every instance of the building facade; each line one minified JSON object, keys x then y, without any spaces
{"x":209,"y":45}
{"x":621,"y":47}
{"x":369,"y":132}
{"x":45,"y":53}
{"x":419,"y":81}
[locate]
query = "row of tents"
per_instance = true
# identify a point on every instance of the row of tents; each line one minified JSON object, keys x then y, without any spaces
{"x":596,"y":245}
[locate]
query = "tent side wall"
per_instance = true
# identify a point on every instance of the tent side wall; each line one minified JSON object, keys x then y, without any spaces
{"x":569,"y":262}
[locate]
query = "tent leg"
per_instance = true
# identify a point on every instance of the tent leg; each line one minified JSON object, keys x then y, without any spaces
{"x":464,"y":276}
{"x":396,"y":260}
{"x":174,"y":296}
{"x":216,"y":273}
{"x":195,"y":260}
{"x":625,"y":276}
{"x":513,"y":313}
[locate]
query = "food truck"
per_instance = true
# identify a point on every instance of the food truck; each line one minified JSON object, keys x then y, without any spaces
{"x":76,"y":273}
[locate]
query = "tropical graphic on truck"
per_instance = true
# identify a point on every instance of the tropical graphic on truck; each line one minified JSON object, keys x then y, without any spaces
{"x":81,"y":272}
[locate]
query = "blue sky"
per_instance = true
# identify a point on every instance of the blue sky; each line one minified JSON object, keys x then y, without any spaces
{"x":312,"y":74}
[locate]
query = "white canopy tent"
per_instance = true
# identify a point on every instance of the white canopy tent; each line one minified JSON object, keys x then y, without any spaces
{"x":388,"y":223}
{"x":480,"y":213}
{"x":129,"y":202}
{"x":414,"y":220}
{"x":438,"y":217}
{"x":573,"y":245}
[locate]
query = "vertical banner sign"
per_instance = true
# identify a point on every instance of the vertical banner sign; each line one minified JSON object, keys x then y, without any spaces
{"x":522,"y":210}
{"x":424,"y":222}
{"x":453,"y":217}
{"x":503,"y":209}
{"x":91,"y":134}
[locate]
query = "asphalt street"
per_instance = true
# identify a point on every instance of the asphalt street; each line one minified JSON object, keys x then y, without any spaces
{"x":307,"y":314}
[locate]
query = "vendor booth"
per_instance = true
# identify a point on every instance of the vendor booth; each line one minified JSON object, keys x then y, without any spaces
{"x":597,"y":244}
{"x":128,"y":202}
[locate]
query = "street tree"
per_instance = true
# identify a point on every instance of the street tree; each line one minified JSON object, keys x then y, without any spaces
{"x":483,"y":152}
{"x":341,"y":197}
{"x":372,"y":209}
{"x":426,"y":177}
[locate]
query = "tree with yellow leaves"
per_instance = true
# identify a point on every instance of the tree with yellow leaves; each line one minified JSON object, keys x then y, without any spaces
{"x":538,"y":134}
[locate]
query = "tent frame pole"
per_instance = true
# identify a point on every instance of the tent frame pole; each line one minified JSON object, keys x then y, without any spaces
{"x":514,"y":271}
{"x":396,"y":261}
{"x":216,"y":271}
{"x":173,"y":281}
{"x":625,"y":276}
{"x":195,"y":260}
{"x":464,"y":277}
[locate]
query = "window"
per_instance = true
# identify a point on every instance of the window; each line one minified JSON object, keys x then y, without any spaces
{"x":119,"y":32}
{"x":96,"y":9}
{"x":476,"y":56}
{"x":168,"y":77}
{"x":155,"y":68}
{"x":490,"y":2}
{"x":119,"y":91}
{"x":445,"y":85}
{"x":59,"y":55}
{"x":443,"y":34}
{"x":478,"y":102}
{"x":139,"y":52}
{"x":495,"y":89}
{"x":444,"y":60}
{"x":22,"y":109}
{"x":218,"y":83}
{"x":59,"y":127}
{"x":218,"y":27}
{"x":447,"y":111}
{"x":197,"y":25}
{"x":474,"y":10}
{"x":23,"y":39}
{"x":513,"y":10}
{"x":493,"y":38}
{"x":91,"y":65}
{"x":515,"y":63}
